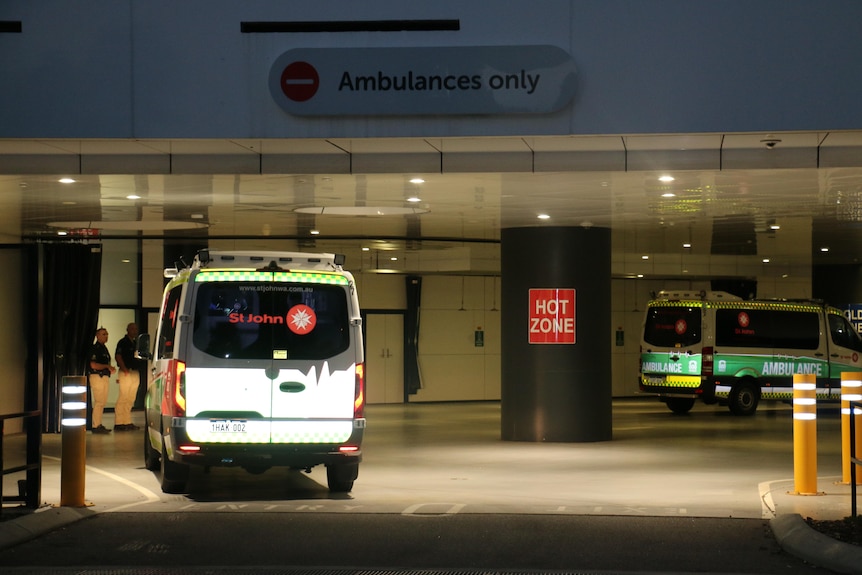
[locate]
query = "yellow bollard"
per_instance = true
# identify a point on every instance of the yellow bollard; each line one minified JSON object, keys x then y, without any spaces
{"x":851,"y":390}
{"x":805,"y":434}
{"x":74,"y":444}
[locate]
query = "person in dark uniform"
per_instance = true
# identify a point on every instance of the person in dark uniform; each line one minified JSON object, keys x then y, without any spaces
{"x":99,"y":370}
{"x":129,"y":378}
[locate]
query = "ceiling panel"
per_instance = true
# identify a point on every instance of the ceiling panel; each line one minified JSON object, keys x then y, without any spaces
{"x":473,"y":187}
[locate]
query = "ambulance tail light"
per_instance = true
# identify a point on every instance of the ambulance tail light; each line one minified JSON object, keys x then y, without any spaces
{"x":359,"y":394}
{"x":707,"y":362}
{"x":348,"y":448}
{"x":174,"y":398}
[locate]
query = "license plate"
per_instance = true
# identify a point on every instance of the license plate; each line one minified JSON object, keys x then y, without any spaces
{"x":655,"y":380}
{"x":227,"y":426}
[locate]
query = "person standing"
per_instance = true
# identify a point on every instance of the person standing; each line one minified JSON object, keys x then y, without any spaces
{"x":129,"y":378}
{"x":99,"y":370}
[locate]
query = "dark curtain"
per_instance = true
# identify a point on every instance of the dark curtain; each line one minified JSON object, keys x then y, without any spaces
{"x":412,"y":377}
{"x":72,"y":274}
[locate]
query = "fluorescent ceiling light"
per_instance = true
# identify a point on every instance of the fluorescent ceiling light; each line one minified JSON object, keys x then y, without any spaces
{"x":361,"y":210}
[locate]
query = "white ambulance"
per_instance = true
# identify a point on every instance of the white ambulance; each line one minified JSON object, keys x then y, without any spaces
{"x":719,"y":348}
{"x":257,"y":362}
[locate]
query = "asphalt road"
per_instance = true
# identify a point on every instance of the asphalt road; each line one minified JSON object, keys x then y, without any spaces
{"x":237,"y":542}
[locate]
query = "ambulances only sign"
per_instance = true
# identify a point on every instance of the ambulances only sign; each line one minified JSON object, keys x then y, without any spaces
{"x":552,"y":316}
{"x":534,"y":79}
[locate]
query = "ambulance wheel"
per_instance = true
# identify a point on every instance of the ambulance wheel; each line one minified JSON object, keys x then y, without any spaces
{"x":174,"y":477}
{"x":679,"y":405}
{"x":743,"y":399}
{"x":340,"y":478}
{"x":151,"y":456}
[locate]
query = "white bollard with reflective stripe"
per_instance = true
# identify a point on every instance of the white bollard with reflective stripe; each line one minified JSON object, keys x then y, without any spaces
{"x":805,"y":434}
{"x":851,"y":390}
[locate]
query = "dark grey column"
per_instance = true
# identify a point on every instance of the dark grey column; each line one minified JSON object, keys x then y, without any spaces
{"x":556,"y":391}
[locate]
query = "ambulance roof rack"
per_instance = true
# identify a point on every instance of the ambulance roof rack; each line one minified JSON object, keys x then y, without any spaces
{"x":678,"y":295}
{"x":268,"y":260}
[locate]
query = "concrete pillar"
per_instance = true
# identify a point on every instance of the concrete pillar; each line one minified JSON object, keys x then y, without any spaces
{"x":556,"y":334}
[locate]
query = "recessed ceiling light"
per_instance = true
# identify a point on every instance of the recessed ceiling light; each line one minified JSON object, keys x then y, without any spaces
{"x":66,"y":181}
{"x":666,"y":178}
{"x":315,"y":232}
{"x":393,"y":259}
{"x":366,"y":249}
{"x":414,"y":199}
{"x":766,"y":260}
{"x":133,"y":197}
{"x":668,"y":195}
{"x":62,"y":233}
{"x":544,"y":217}
{"x":644,"y":257}
{"x":417,"y":181}
{"x":824,"y":249}
{"x":686,"y":245}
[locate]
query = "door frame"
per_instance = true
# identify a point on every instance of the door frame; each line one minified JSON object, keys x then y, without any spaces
{"x":403,"y":313}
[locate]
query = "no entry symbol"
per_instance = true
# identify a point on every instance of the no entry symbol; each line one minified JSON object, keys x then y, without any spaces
{"x":300,"y":81}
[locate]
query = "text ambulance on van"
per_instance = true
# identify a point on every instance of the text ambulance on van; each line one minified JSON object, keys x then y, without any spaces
{"x":722,"y":349}
{"x":258,"y":362}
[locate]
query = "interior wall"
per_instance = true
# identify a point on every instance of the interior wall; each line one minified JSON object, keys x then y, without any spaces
{"x":459,"y":339}
{"x":13,"y":351}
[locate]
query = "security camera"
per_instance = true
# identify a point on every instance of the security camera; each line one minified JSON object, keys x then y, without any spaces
{"x":770,"y":143}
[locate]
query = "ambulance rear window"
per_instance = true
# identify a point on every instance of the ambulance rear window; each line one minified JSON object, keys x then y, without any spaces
{"x":271,"y":320}
{"x":672,"y":326}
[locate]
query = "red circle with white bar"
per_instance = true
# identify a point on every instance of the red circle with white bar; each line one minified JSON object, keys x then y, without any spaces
{"x":300,"y":81}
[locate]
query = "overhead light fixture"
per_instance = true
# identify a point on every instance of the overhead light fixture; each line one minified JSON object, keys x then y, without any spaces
{"x":686,"y":245}
{"x":362,"y":210}
{"x":417,"y":181}
{"x":414,"y":199}
{"x":366,"y":249}
{"x":668,"y":195}
{"x":133,"y":197}
{"x":824,"y":249}
{"x":666,"y":178}
{"x":644,"y":257}
{"x":315,"y":232}
{"x":766,"y":260}
{"x":544,"y":217}
{"x":66,"y":181}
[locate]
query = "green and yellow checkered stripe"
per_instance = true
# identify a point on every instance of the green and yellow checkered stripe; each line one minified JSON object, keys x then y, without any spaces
{"x":689,"y":381}
{"x":265,"y":432}
{"x":285,"y":277}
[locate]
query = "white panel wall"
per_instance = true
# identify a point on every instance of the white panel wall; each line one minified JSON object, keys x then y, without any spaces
{"x":452,"y":366}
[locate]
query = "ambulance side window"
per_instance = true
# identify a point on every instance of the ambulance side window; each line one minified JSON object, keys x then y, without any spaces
{"x":168,"y":326}
{"x":843,"y":333}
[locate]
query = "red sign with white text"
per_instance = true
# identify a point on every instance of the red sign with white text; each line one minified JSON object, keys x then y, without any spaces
{"x":552,"y":316}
